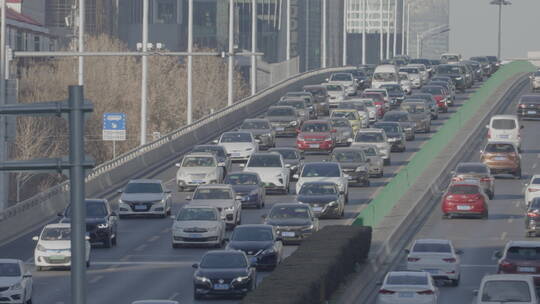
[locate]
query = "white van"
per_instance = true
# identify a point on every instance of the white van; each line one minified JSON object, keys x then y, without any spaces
{"x":450,"y":58}
{"x":506,"y":288}
{"x":385,"y":74}
{"x":505,"y":127}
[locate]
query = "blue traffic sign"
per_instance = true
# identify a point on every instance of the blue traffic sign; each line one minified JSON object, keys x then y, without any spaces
{"x":114,"y":121}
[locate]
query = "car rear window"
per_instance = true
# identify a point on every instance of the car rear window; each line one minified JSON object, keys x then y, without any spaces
{"x":369,"y":137}
{"x":523,"y":253}
{"x":500,"y":148}
{"x":471,"y":169}
{"x":432,"y":247}
{"x":403,"y":279}
{"x":506,"y":291}
{"x":463,"y":189}
{"x":503,"y":124}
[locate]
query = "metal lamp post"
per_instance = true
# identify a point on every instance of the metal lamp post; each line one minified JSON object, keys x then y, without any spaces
{"x":500,"y":3}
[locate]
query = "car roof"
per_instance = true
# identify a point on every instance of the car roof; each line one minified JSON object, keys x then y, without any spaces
{"x":463,"y":164}
{"x":290,"y":205}
{"x":504,"y":116}
{"x":321,"y":164}
{"x":200,"y":154}
{"x":95,"y":200}
{"x":343,"y":149}
{"x":145,"y":181}
{"x":271,"y":153}
{"x":58,"y":225}
{"x":218,"y":186}
{"x":506,"y":277}
{"x":317,"y":121}
{"x":472,"y":182}
{"x":256,"y":119}
{"x":432,"y":241}
{"x":531,"y":244}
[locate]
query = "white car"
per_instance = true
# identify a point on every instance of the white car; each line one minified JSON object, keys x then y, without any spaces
{"x":239,"y":145}
{"x":198,"y":225}
{"x":147,"y":197}
{"x":274,"y":173}
{"x":371,"y":109}
{"x":53,"y":247}
{"x":16,"y":282}
{"x":222,"y":197}
{"x":437,"y":257}
{"x":424,"y":73}
{"x":323,"y":171}
{"x":336,"y":93}
{"x":532,"y":189}
{"x":375,"y":137}
{"x":406,"y":83}
{"x":346,"y":80}
{"x":408,"y":287}
{"x":414,"y":76}
{"x":506,"y":288}
{"x":198,"y":168}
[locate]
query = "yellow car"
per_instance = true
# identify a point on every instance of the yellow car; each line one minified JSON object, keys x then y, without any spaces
{"x":352,"y":116}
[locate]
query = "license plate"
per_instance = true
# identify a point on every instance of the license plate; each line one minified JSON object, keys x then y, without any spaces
{"x":236,"y":154}
{"x":470,"y":180}
{"x":195,"y":235}
{"x":531,"y":112}
{"x":314,"y":145}
{"x":317,"y":209}
{"x":406,"y":294}
{"x":140,"y":207}
{"x":432,"y":271}
{"x":527,"y":269}
{"x":57,"y":257}
{"x":463,"y":207}
{"x":503,"y":136}
{"x":197,"y":181}
{"x":287,"y":234}
{"x":499,"y":158}
{"x":280,"y":129}
{"x":221,"y":286}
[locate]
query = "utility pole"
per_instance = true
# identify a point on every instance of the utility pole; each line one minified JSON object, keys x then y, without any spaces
{"x":323,"y":38}
{"x":403,"y":27}
{"x":230,"y":99}
{"x":144,"y":80}
{"x":364,"y":24}
{"x":408,"y":27}
{"x":381,"y":31}
{"x":3,"y":149}
{"x":190,"y":65}
{"x":388,"y":31}
{"x":253,"y":47}
{"x":394,"y":45}
{"x":500,"y":3}
{"x":81,"y":41}
{"x":345,"y":20}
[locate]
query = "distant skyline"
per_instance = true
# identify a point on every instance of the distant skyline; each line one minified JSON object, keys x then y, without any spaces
{"x":473,"y":28}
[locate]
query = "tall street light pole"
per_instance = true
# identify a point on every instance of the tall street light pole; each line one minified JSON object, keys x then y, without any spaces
{"x":388,"y":30}
{"x":323,"y":38}
{"x":381,"y":30}
{"x":81,"y":41}
{"x":144,"y":82}
{"x":500,"y":3}
{"x":230,"y":98}
{"x":3,"y":148}
{"x":364,"y":23}
{"x":394,"y":45}
{"x":345,"y":20}
{"x":190,"y":65}
{"x":288,"y":34}
{"x":408,"y":27}
{"x":403,"y":27}
{"x":253,"y":47}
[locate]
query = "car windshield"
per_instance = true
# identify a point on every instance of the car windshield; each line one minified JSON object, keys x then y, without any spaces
{"x":287,"y":154}
{"x":255,"y":125}
{"x":500,"y":148}
{"x":403,"y":77}
{"x":537,"y":74}
{"x":334,"y":88}
{"x":349,"y":115}
{"x":218,"y":150}
{"x":196,"y":214}
{"x":340,"y":123}
{"x":315,"y":127}
{"x":535,"y":204}
{"x":293,"y":103}
{"x":480,"y":59}
{"x":503,"y":124}
{"x":432,"y":90}
{"x":369,"y":137}
{"x":143,"y":188}
{"x":10,"y":270}
{"x":317,"y":189}
{"x":204,"y":194}
{"x":348,"y":156}
{"x":536,"y":181}
{"x":448,"y":69}
{"x":384,"y":76}
{"x":235,"y":137}
{"x":403,"y":279}
{"x":506,"y":291}
{"x":241,"y":179}
{"x":289,"y":212}
{"x":414,"y":108}
{"x":392,"y":89}
{"x":410,"y":70}
{"x":198,"y":162}
{"x":266,"y":161}
{"x":56,"y":234}
{"x":93,"y":210}
{"x":352,"y":105}
{"x":467,"y":169}
{"x":370,"y":152}
{"x":224,"y":260}
{"x":432,"y":247}
{"x":396,"y":117}
{"x":341,"y":77}
{"x":463,"y":189}
{"x":321,"y":170}
{"x":425,"y":97}
{"x":280,"y":112}
{"x":388,"y":128}
{"x":252,"y":234}
{"x":523,"y":253}
{"x":450,"y":58}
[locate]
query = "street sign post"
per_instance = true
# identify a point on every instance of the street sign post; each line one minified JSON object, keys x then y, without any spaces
{"x":114,"y":128}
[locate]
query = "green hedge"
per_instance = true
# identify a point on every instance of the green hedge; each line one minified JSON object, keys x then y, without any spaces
{"x":316,"y":269}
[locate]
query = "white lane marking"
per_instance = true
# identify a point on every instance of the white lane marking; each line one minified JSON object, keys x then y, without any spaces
{"x":174,"y":296}
{"x":534,"y":166}
{"x":510,"y":220}
{"x":154,"y":238}
{"x":538,"y":155}
{"x":95,"y":279}
{"x":150,"y":263}
{"x":141,"y":247}
{"x":503,"y":235}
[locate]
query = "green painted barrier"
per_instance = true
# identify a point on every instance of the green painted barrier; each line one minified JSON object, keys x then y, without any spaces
{"x":400,"y":184}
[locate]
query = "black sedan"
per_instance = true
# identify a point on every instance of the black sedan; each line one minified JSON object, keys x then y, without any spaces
{"x":224,"y":273}
{"x":249,"y":187}
{"x":395,"y":94}
{"x":354,"y":163}
{"x":324,"y":199}
{"x":394,"y":133}
{"x":260,"y":242}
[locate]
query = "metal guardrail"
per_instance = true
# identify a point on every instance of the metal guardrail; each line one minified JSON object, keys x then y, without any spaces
{"x":34,"y":211}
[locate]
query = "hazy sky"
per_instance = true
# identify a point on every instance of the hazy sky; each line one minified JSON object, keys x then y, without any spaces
{"x":473,"y":27}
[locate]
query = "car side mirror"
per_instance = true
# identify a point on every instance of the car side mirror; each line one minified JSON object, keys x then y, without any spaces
{"x":459,"y":252}
{"x":188,"y":197}
{"x":279,"y":239}
{"x":497,"y":254}
{"x":475,"y":292}
{"x":27,"y":276}
{"x":59,"y":214}
{"x":326,"y":79}
{"x":178,"y":165}
{"x":264,"y":216}
{"x":253,"y":262}
{"x":215,"y":141}
{"x":195,"y":266}
{"x":35,"y":238}
{"x":87,"y":238}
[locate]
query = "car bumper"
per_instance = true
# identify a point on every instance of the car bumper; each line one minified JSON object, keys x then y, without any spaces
{"x":51,"y":259}
{"x":151,"y":209}
{"x":12,"y":296}
{"x":208,"y":289}
{"x":525,"y":113}
{"x":293,"y":236}
{"x":186,"y":238}
{"x":323,"y":211}
{"x":375,"y":170}
{"x":436,"y":271}
{"x":502,"y":168}
{"x":240,"y":155}
{"x":415,"y":300}
{"x":285,"y":130}
{"x":192,"y":184}
{"x":315,"y":146}
{"x":357,"y":176}
{"x":532,"y":226}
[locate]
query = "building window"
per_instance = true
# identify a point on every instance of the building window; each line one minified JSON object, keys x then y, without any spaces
{"x":19,"y":41}
{"x":37,"y":43}
{"x":165,"y":11}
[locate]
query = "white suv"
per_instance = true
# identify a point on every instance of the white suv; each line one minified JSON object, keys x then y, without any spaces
{"x":375,"y":137}
{"x":198,"y":168}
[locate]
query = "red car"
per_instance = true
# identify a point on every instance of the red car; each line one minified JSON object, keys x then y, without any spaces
{"x":520,"y":257}
{"x":440,"y":94}
{"x":465,"y":198}
{"x":378,"y":101}
{"x":316,"y":135}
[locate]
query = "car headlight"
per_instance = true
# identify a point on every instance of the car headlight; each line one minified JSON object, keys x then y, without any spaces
{"x":17,"y":286}
{"x":249,"y":149}
{"x":212,"y":228}
{"x":294,"y":123}
{"x":229,"y":209}
{"x":266,"y":135}
{"x":360,"y":169}
{"x":241,"y":279}
{"x":202,"y":279}
{"x":41,"y":248}
{"x":270,"y":250}
{"x":103,"y":225}
{"x":458,"y":78}
{"x":308,"y":228}
{"x":331,"y":204}
{"x":254,"y":192}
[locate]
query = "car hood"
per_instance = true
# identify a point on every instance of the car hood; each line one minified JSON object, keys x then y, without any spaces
{"x":418,"y":117}
{"x":253,"y":246}
{"x":62,"y":244}
{"x":281,"y":118}
{"x":257,"y":132}
{"x":9,"y":281}
{"x":288,"y":222}
{"x":314,"y":134}
{"x":219,"y":273}
{"x":265,"y":173}
{"x":244,"y":189}
{"x":379,"y":145}
{"x":88,"y":220}
{"x":196,"y":170}
{"x":214,"y":202}
{"x":393,"y":135}
{"x":319,"y":199}
{"x":471,"y":175}
{"x":195,"y":224}
{"x":353,"y":165}
{"x":335,"y":93}
{"x":142,"y":197}
{"x":236,"y":146}
{"x":319,"y":179}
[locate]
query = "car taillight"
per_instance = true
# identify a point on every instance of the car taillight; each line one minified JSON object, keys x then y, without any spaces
{"x":522,"y":105}
{"x":439,"y":97}
{"x":449,"y":260}
{"x":413,"y":259}
{"x":489,"y":134}
{"x":505,"y":265}
{"x":533,"y":214}
{"x":425,"y":292}
{"x":485,"y":179}
{"x":386,"y":291}
{"x":533,"y":190}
